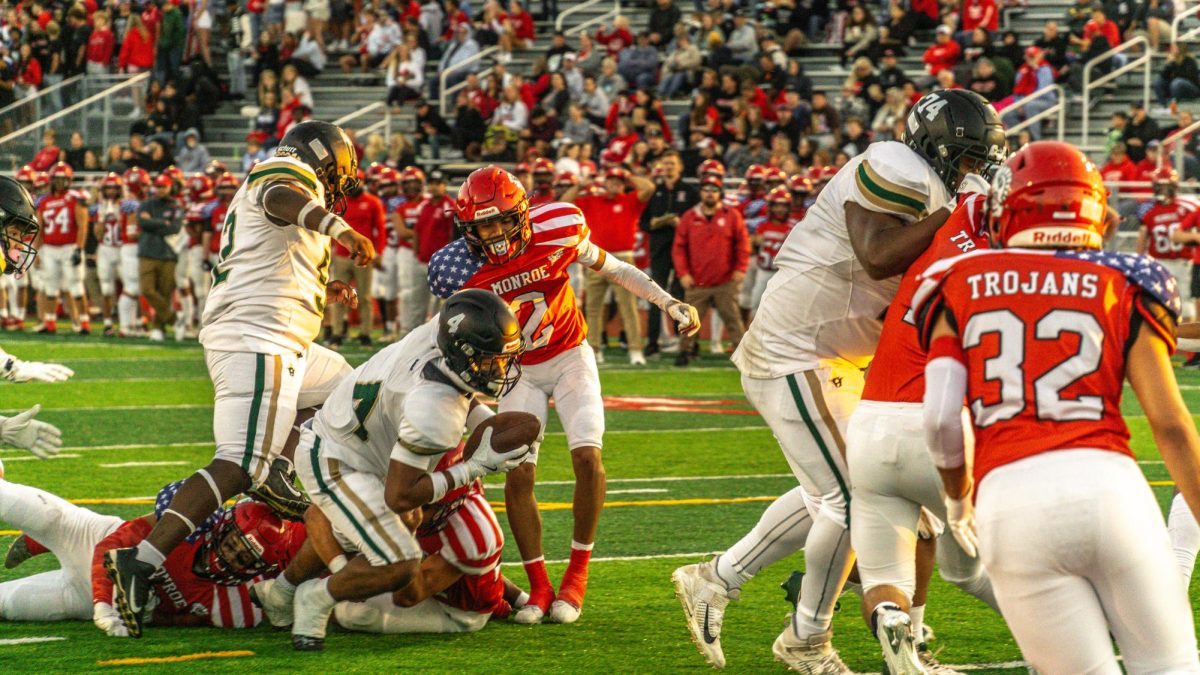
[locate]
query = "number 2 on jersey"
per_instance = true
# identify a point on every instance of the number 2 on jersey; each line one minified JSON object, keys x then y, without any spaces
{"x":1007,"y":366}
{"x":536,"y":335}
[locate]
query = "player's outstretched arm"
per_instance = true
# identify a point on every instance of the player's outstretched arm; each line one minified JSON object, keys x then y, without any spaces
{"x":23,"y":431}
{"x":16,"y":370}
{"x":635,"y":281}
{"x":287,"y":205}
{"x":883,"y":244}
{"x":1153,"y":381}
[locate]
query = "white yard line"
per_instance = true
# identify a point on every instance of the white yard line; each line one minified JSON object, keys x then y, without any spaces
{"x":175,"y":406}
{"x":29,"y":640}
{"x":664,"y":479}
{"x":627,"y":558}
{"x":124,"y":465}
{"x":31,"y":458}
{"x":636,"y":491}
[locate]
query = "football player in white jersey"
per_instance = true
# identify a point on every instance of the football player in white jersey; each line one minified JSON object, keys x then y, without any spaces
{"x":803,"y":357}
{"x":269,"y":292}
{"x":369,"y":456}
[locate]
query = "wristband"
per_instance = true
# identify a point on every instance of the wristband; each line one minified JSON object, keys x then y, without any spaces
{"x":478,"y":415}
{"x":332,"y":225}
{"x":440,"y":486}
{"x":337,"y":563}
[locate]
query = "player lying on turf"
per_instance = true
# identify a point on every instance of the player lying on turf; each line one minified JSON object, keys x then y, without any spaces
{"x":269,"y":292}
{"x":370,"y":454}
{"x":202,"y":583}
{"x":522,"y":254}
{"x":18,"y":234}
{"x":458,"y":586}
{"x":1039,"y":342}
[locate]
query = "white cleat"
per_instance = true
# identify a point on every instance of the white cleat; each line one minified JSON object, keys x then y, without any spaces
{"x":276,"y":603}
{"x":704,"y":598}
{"x":637,"y":358}
{"x":930,"y":663}
{"x":599,"y":356}
{"x":311,"y":617}
{"x":893,"y":628}
{"x":529,"y":615}
{"x":157,"y":335}
{"x":812,"y":656}
{"x":562,"y":611}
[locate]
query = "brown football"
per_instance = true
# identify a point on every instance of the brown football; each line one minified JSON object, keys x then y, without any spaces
{"x":511,"y":430}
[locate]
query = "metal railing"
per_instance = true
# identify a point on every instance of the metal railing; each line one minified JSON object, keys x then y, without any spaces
{"x":446,"y":93}
{"x":588,"y":4}
{"x":375,"y":108}
{"x":1089,"y":85}
{"x":93,"y":116}
{"x":30,"y":108}
{"x":1169,"y":145}
{"x":1058,"y":109}
{"x":1191,"y":34}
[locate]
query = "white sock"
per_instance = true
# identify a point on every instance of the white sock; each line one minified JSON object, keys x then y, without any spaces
{"x":827,"y":563}
{"x":189,"y":309}
{"x":1185,"y":537}
{"x":322,"y":595}
{"x":576,"y":546}
{"x":127,"y":312}
{"x":282,"y":583}
{"x":150,"y":555}
{"x":781,"y":531}
{"x":917,"y":615}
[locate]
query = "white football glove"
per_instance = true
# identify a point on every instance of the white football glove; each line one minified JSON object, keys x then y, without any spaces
{"x":960,"y":518}
{"x":22,"y":431}
{"x":973,"y":182}
{"x":108,"y":620}
{"x":929,"y":526}
{"x":487,"y":461}
{"x":16,"y":370}
{"x":685,"y":317}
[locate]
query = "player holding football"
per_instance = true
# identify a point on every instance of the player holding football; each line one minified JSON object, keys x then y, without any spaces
{"x":892,"y":474}
{"x":523,"y":254}
{"x":370,"y":454}
{"x":64,"y":217}
{"x":1039,"y":342}
{"x":265,"y":308}
{"x":816,"y":329}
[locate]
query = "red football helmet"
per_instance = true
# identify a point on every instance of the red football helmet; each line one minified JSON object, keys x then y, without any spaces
{"x":41,"y":181}
{"x":775,"y":177}
{"x":61,"y":177}
{"x":800,"y":185}
{"x":521,"y":169}
{"x":374,"y":171}
{"x":543,"y":175}
{"x":138,"y":180}
{"x":26,"y":176}
{"x":176,"y":175}
{"x":491,"y":197}
{"x":165,"y":180}
{"x":200,"y":187}
{"x":543,"y":165}
{"x":780,"y":195}
{"x":215,"y":169}
{"x":228,"y":183}
{"x":1048,"y":195}
{"x":1166,"y":183}
{"x":112,"y":186}
{"x":566,"y":179}
{"x":756,"y":174}
{"x":386,"y":177}
{"x":262,"y":540}
{"x":711,"y":166}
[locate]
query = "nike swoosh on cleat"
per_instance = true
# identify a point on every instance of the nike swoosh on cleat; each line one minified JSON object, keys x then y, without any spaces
{"x":709,"y":638}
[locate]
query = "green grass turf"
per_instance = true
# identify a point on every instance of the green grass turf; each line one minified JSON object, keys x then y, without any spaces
{"x":152,"y":403}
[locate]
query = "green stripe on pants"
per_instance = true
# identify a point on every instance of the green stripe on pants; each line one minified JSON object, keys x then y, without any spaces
{"x":316,"y":469}
{"x":260,"y":378}
{"x":816,"y":434}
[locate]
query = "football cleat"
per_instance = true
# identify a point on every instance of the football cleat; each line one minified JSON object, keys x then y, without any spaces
{"x":562,"y":611}
{"x":311,"y":617}
{"x":19,"y":551}
{"x":637,"y":357}
{"x":279,"y":491}
{"x":275,"y":603}
{"x":814,"y":655}
{"x":928,"y":657}
{"x":704,"y":598}
{"x":536,"y":608}
{"x":131,"y":586}
{"x":893,"y":628}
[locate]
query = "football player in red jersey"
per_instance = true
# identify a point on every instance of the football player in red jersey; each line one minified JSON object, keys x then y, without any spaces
{"x":1161,"y":218}
{"x":892,"y":488}
{"x":543,"y":182}
{"x":112,"y":217}
{"x":137,"y":182}
{"x":64,"y":217}
{"x":413,"y":289}
{"x":769,"y":236}
{"x":801,"y":188}
{"x":1039,"y":343}
{"x":387,"y":267}
{"x":191,"y":279}
{"x":522,"y":254}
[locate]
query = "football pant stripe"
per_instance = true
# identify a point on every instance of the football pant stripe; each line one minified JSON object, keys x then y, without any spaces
{"x":272,"y":409}
{"x":260,"y":366}
{"x":315,"y":458}
{"x":371,"y":516}
{"x":798,"y":397}
{"x":818,"y":394}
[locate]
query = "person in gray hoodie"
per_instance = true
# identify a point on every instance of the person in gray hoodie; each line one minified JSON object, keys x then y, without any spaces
{"x":159,"y":218}
{"x":192,"y":156}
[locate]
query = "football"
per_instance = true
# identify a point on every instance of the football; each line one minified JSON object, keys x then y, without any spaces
{"x":511,"y":431}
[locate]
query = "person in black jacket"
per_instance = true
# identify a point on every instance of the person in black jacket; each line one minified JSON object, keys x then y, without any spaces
{"x":671,"y":198}
{"x":159,"y":218}
{"x":663,"y":18}
{"x":1179,"y":79}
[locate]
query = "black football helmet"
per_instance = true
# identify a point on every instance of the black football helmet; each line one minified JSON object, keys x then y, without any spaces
{"x":952,"y":125}
{"x":327,"y":150}
{"x":18,"y":227}
{"x":481,"y":341}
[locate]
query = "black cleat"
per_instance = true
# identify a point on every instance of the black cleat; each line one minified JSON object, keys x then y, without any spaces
{"x":682,"y":360}
{"x":365,"y":340}
{"x":279,"y":491}
{"x":17,"y":553}
{"x":303,"y":643}
{"x":131,"y":586}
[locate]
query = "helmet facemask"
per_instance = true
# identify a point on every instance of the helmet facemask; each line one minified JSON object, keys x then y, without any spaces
{"x":493,"y":373}
{"x":19,"y":234}
{"x":512,"y":233}
{"x":229,"y":556}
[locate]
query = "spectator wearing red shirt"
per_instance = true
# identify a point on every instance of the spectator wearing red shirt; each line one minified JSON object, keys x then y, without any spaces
{"x":365,"y":214}
{"x":979,"y":14}
{"x":711,"y":253}
{"x":942,"y":54}
{"x":521,"y":23}
{"x":48,"y":154}
{"x":435,"y":222}
{"x":1101,"y":25}
{"x":613,"y":216}
{"x":1119,"y":167}
{"x":615,"y":37}
{"x":137,"y":49}
{"x":100,"y":47}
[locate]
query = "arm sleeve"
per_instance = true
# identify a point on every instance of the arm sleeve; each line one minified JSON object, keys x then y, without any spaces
{"x":945,"y":389}
{"x":887,"y":181}
{"x":431,"y":424}
{"x":634,"y":280}
{"x":129,"y":534}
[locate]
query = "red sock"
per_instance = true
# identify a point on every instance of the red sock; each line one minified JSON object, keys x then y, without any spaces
{"x":574,"y":583}
{"x":541,"y":593}
{"x":34,"y":546}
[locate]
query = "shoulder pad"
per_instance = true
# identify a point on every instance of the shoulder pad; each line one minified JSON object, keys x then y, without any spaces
{"x":894,"y":178}
{"x":1141,"y":271}
{"x":285,"y":168}
{"x":451,"y":267}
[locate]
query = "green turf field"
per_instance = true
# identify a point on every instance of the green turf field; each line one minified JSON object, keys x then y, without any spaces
{"x":682,"y":484}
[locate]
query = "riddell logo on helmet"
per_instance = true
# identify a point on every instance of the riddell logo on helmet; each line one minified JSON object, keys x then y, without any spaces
{"x":1056,"y":237}
{"x":487,"y":212}
{"x":1060,"y":238}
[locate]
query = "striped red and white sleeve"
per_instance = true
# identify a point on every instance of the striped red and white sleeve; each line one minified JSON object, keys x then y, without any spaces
{"x":472,"y":540}
{"x":232,"y":607}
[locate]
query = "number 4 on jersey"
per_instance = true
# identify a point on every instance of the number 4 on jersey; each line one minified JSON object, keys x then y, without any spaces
{"x":365,"y":396}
